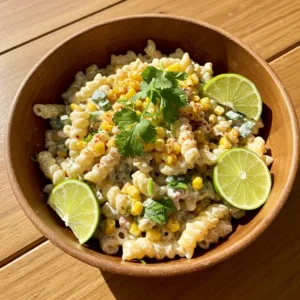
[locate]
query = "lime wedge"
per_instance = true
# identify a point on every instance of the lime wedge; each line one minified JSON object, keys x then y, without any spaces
{"x":242,"y":179}
{"x":77,"y":206}
{"x":236,"y":92}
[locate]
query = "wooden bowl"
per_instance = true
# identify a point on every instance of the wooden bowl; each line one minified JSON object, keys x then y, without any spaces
{"x":55,"y":72}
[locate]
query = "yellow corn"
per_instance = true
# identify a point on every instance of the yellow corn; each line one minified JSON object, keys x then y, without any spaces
{"x":110,"y":226}
{"x":157,"y":157}
{"x":233,"y":136}
{"x":132,"y":191}
{"x":201,"y":169}
{"x":111,"y":95}
{"x":76,"y":107}
{"x":91,"y":107}
{"x":62,"y":154}
{"x":130,"y":93}
{"x":99,"y":149}
{"x":224,"y":143}
{"x":107,"y":126}
{"x":212,"y":119}
{"x":205,"y":103}
{"x":219,"y":110}
{"x":137,"y":208}
{"x":174,"y":68}
{"x":153,"y":235}
{"x":161,"y":133}
{"x":134,"y":229}
{"x":169,"y":158}
{"x":80,"y":145}
{"x":135,"y":75}
{"x":120,"y":88}
{"x":134,"y":84}
{"x":137,"y":198}
{"x":173,"y":225}
{"x":138,"y":104}
{"x":196,"y":98}
{"x":177,"y":148}
{"x":212,"y":146}
{"x":197,"y":183}
{"x":194,"y":79}
{"x":159,"y":145}
{"x":148,"y":147}
{"x":111,"y":143}
{"x":138,"y":112}
{"x":126,"y":185}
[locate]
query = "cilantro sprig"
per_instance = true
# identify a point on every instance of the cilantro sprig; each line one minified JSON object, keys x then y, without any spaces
{"x":161,"y":87}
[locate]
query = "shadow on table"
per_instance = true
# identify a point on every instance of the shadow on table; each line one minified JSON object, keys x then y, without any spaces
{"x":263,"y":270}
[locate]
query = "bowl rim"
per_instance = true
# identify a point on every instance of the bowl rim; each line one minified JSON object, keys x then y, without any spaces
{"x":154,"y":270}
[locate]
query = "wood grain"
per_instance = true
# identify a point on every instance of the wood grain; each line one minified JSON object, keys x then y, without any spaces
{"x":266,"y":270}
{"x":229,"y":15}
{"x":21,"y":21}
{"x":256,"y":22}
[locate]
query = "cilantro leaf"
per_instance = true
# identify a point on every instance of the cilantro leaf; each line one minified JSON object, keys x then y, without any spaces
{"x":125,"y":118}
{"x":156,"y":212}
{"x":140,"y":95}
{"x":151,"y":73}
{"x":168,"y":204}
{"x":162,"y":82}
{"x":147,"y":131}
{"x":128,"y":143}
{"x":143,"y":262}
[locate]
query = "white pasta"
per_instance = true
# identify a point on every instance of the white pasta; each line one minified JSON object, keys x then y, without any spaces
{"x":109,"y":244}
{"x":123,"y":59}
{"x":180,"y":167}
{"x":151,"y":51}
{"x":49,"y":111}
{"x":140,"y":180}
{"x":118,"y":200}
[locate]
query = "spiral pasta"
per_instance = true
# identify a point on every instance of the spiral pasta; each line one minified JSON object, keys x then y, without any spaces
{"x":151,"y":51}
{"x":109,"y":244}
{"x":141,"y":247}
{"x":50,"y":168}
{"x":118,"y":200}
{"x":140,"y":180}
{"x":49,"y":111}
{"x":223,"y":228}
{"x":123,"y":59}
{"x":179,"y":167}
{"x":198,"y":228}
{"x":106,"y":165}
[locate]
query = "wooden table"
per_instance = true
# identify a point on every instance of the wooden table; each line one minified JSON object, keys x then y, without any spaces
{"x":35,"y":269}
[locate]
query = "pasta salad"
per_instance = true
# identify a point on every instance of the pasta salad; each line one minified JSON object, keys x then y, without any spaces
{"x":145,"y":138}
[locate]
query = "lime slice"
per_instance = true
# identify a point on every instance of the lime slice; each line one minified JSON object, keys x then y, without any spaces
{"x":242,"y":178}
{"x":237,"y":92}
{"x":77,"y":206}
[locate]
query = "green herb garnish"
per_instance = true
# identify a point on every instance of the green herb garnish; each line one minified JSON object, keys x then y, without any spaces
{"x":150,"y":186}
{"x":162,"y":89}
{"x":143,"y":262}
{"x":178,"y":182}
{"x":99,"y":98}
{"x":158,"y":211}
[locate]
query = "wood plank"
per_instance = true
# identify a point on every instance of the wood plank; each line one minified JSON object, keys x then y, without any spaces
{"x":261,"y":16}
{"x":266,"y":270}
{"x":21,"y":21}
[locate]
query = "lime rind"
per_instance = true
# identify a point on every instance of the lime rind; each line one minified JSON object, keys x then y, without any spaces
{"x":243,"y":194}
{"x":77,"y":206}
{"x":236,"y":92}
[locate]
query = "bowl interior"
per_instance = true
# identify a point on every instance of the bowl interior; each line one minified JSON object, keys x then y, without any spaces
{"x":55,"y":73}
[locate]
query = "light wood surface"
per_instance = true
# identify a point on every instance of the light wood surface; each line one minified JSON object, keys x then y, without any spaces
{"x":228,"y":15}
{"x":268,"y":269}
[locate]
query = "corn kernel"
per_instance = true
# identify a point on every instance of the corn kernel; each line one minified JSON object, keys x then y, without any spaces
{"x":132,"y":191}
{"x":138,"y":113}
{"x":137,"y":198}
{"x":224,"y":143}
{"x":205,"y":103}
{"x":130,"y":93}
{"x":161,"y":133}
{"x":194,"y":79}
{"x":148,"y":147}
{"x":126,"y":185}
{"x":174,"y":68}
{"x":153,"y":235}
{"x":212,"y":146}
{"x":138,"y":104}
{"x":135,"y":75}
{"x":62,"y":154}
{"x":81,"y":145}
{"x":91,"y":107}
{"x":107,"y":126}
{"x":98,"y":149}
{"x":134,"y":84}
{"x":233,"y":136}
{"x":111,"y":143}
{"x":176,"y":149}
{"x":110,"y":227}
{"x":219,"y":110}
{"x":76,"y":107}
{"x":201,"y":169}
{"x":137,"y":208}
{"x":197,"y":183}
{"x":134,"y":229}
{"x":111,"y":95}
{"x":159,"y":145}
{"x":157,"y":157}
{"x":169,"y":158}
{"x":173,"y":225}
{"x":120,"y":88}
{"x":212,"y":119}
{"x":196,"y":98}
